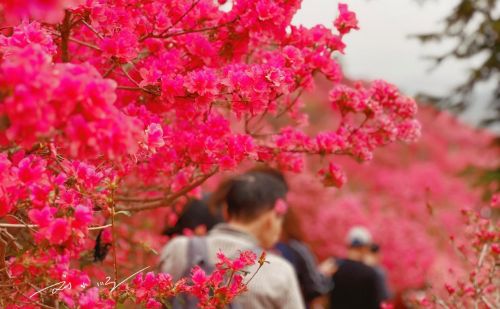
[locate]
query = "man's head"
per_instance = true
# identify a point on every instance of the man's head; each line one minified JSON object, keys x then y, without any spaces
{"x":254,"y":201}
{"x":359,"y":241}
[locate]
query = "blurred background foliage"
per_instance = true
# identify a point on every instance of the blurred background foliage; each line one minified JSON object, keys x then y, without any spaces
{"x":475,"y":27}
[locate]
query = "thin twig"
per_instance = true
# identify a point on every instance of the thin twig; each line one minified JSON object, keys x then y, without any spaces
{"x":93,"y":30}
{"x":193,"y":5}
{"x":102,"y":227}
{"x":139,"y":200}
{"x":72,"y":39}
{"x":135,"y":83}
{"x":110,"y":70}
{"x":17,"y":225}
{"x":85,"y":44}
{"x":20,"y":220}
{"x":196,"y":30}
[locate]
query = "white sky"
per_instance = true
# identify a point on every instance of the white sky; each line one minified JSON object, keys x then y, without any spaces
{"x":382,"y":49}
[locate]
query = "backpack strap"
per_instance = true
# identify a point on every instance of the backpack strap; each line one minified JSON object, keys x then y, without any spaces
{"x":197,"y":254}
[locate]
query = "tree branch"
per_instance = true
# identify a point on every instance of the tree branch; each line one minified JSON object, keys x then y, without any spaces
{"x":65,"y":30}
{"x":19,"y":225}
{"x":171,"y":198}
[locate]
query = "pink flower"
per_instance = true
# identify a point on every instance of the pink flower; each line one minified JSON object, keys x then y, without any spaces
{"x":293,"y":56}
{"x":450,"y":289}
{"x":122,"y":45}
{"x":149,"y":280}
{"x":15,"y":269}
{"x":89,"y":299}
{"x":83,"y":216}
{"x":409,"y":130}
{"x":198,"y":276}
{"x":58,"y":231}
{"x":42,"y":217}
{"x":5,"y":205}
{"x":495,"y":248}
{"x":246,"y":258}
{"x":30,"y":169}
{"x":266,"y":9}
{"x":333,"y":176}
{"x":202,"y":82}
{"x":280,"y":207}
{"x":346,"y":21}
{"x":495,"y":201}
{"x":154,"y":133}
{"x":153,"y":304}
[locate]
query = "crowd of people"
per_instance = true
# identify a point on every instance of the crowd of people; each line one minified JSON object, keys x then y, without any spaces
{"x":250,"y":212}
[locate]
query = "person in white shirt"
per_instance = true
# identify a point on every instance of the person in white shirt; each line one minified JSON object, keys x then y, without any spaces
{"x":254,"y":204}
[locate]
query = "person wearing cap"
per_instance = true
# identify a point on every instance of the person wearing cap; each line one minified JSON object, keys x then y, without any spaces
{"x":355,"y":283}
{"x":373,"y":260}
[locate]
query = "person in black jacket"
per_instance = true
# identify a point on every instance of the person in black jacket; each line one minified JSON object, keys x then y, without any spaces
{"x":356,"y":284}
{"x":314,"y":279}
{"x":373,"y":260}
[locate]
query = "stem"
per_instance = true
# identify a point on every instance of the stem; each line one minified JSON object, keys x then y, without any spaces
{"x":71,"y":39}
{"x":253,"y":275}
{"x":197,"y":30}
{"x":139,"y":200}
{"x":182,"y":17}
{"x":110,"y":70}
{"x":230,"y":279}
{"x":484,"y":250}
{"x":289,"y":107}
{"x":85,"y":44}
{"x":93,"y":30}
{"x":487,"y":302}
{"x":17,"y":225}
{"x":113,"y":233}
{"x":136,"y":84}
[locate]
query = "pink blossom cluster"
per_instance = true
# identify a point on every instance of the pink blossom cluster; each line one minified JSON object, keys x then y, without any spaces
{"x":475,"y":284}
{"x":212,"y":291}
{"x":56,"y":200}
{"x":46,"y":99}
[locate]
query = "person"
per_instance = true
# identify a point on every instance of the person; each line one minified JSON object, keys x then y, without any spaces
{"x":355,"y":282}
{"x":254,"y":222}
{"x":373,"y":259}
{"x":196,"y":216}
{"x":314,"y":279}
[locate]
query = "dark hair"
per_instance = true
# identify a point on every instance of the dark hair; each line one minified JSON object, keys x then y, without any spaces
{"x":249,"y":195}
{"x":194,"y":214}
{"x":270,"y":171}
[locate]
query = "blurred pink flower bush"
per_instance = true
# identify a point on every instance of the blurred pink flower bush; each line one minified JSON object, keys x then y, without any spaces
{"x":409,"y":196}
